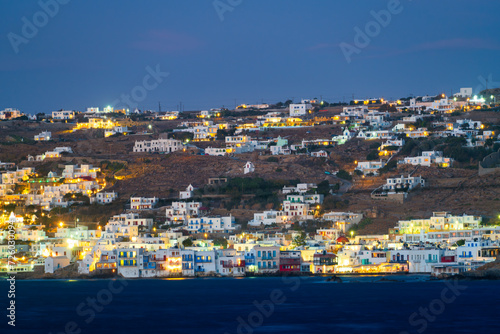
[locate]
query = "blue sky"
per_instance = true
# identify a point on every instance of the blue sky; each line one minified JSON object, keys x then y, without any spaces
{"x":91,"y":52}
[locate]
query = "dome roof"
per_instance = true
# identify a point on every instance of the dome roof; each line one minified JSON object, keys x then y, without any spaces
{"x":342,"y":240}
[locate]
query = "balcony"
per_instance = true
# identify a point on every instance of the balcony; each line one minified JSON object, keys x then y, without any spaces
{"x":203,"y":261}
{"x":267,"y":257}
{"x":268,"y":268}
{"x":233,"y":264}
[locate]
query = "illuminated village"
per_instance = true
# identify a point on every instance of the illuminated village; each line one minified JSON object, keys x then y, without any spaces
{"x":393,"y":153}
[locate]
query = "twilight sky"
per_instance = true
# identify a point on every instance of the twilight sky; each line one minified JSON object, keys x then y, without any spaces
{"x":95,"y":53}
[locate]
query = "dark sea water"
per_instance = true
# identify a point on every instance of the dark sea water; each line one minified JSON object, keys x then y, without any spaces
{"x":254,"y":305}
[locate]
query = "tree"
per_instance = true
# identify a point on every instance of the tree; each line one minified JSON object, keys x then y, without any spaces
{"x":344,"y":175}
{"x":187,"y":242}
{"x":299,"y":240}
{"x":324,"y":188}
{"x":220,"y":242}
{"x":373,"y":155}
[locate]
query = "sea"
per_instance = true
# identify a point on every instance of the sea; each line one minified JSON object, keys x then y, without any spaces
{"x":367,"y":304}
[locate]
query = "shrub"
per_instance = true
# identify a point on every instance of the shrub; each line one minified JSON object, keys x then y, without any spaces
{"x":373,"y":155}
{"x":344,"y":175}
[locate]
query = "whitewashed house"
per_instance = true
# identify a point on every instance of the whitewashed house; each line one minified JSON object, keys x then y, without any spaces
{"x":63,"y":114}
{"x":188,"y":193}
{"x":211,"y":224}
{"x":143,"y":203}
{"x":43,"y":136}
{"x":409,"y":182}
{"x":179,"y":212}
{"x":158,"y":145}
{"x":54,"y":263}
{"x":104,"y":197}
{"x":320,"y":154}
{"x":300,"y":109}
{"x":264,"y":218}
{"x":216,"y":151}
{"x":368,"y":167}
{"x":429,"y":158}
{"x":249,"y":168}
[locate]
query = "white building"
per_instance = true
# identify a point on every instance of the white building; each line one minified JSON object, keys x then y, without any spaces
{"x":409,"y":182}
{"x":464,"y":92}
{"x":216,"y":151}
{"x":43,"y":136}
{"x":10,"y":113}
{"x":158,"y":145}
{"x":343,"y":220}
{"x":104,"y":197}
{"x":296,"y":210}
{"x":307,"y":198}
{"x":249,"y":168}
{"x":265,"y":218}
{"x":179,"y":212}
{"x":267,"y":259}
{"x":320,"y":154}
{"x":300,"y":109}
{"x":234,"y":141}
{"x":354,"y":111}
{"x":63,"y":114}
{"x":54,"y":263}
{"x":429,"y":158}
{"x":142,"y":203}
{"x":300,"y":188}
{"x":188,"y":193}
{"x":442,"y":226}
{"x":131,"y":219}
{"x":19,"y":175}
{"x":211,"y":225}
{"x":442,"y":105}
{"x":76,"y":171}
{"x":368,"y":167}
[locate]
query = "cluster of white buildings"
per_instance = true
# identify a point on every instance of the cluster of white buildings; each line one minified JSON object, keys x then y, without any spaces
{"x":429,"y":158}
{"x":10,"y":113}
{"x":294,"y":208}
{"x":54,"y":154}
{"x":53,"y":190}
{"x":202,"y":131}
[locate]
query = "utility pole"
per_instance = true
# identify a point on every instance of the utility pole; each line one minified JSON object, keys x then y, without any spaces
{"x":159,"y":106}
